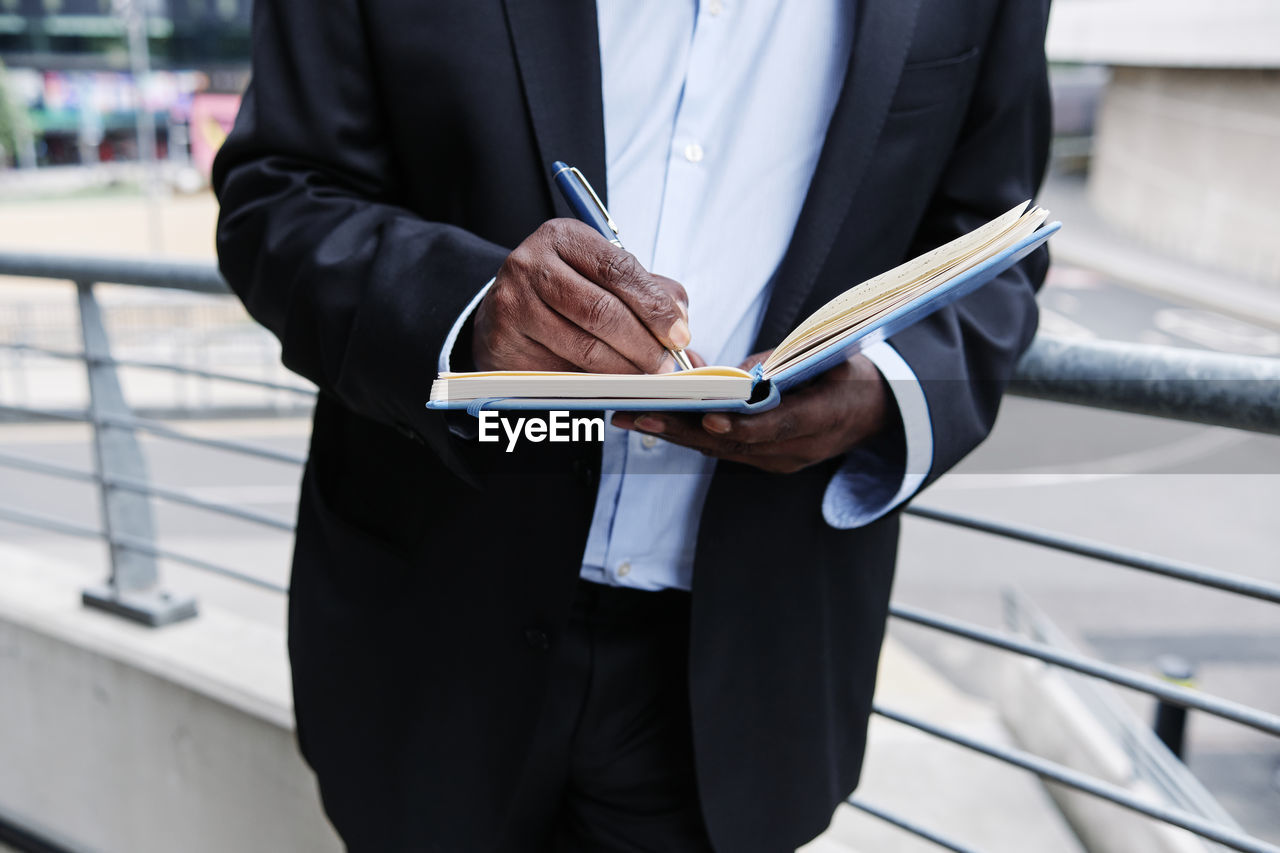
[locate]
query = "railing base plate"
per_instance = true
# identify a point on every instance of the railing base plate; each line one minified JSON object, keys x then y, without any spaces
{"x":153,"y":608}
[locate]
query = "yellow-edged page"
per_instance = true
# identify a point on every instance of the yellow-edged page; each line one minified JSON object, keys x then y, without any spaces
{"x":702,"y":383}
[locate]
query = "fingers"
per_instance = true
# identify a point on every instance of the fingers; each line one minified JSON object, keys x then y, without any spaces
{"x":803,"y":413}
{"x":687,"y":431}
{"x":545,"y":358}
{"x":596,"y":315}
{"x":848,"y":401}
{"x":819,"y":421}
{"x":754,"y":359}
{"x":684,"y":430}
{"x":590,"y":352}
{"x":516,"y":330}
{"x":675,"y":290}
{"x":659,"y":303}
{"x":583,"y":301}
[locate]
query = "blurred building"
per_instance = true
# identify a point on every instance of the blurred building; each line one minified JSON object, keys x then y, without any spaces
{"x":69,"y":66}
{"x":1187,"y":137}
{"x":60,"y":35}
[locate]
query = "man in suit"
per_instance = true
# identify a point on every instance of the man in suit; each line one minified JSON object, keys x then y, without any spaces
{"x":667,"y":642}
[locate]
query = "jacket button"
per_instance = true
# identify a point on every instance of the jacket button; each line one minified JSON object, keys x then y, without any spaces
{"x":583,"y":471}
{"x":537,"y":639}
{"x":409,"y":432}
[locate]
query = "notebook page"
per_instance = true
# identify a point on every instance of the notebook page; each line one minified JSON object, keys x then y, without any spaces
{"x":704,"y":383}
{"x":905,"y":275}
{"x":832,"y":331}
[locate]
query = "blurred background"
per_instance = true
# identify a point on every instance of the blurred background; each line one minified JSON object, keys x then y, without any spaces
{"x":168,"y":461}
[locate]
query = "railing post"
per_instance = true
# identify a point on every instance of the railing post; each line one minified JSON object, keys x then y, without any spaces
{"x":1170,"y":724}
{"x":133,"y":590}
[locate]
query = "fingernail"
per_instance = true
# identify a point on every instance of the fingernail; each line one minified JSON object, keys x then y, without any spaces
{"x":717,"y":423}
{"x":679,"y":334}
{"x":648,"y":423}
{"x":668,"y":364}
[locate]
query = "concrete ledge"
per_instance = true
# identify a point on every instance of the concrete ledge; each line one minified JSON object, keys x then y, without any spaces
{"x":1166,"y":33}
{"x":120,"y":738}
{"x":1086,"y":241}
{"x":1184,"y":161}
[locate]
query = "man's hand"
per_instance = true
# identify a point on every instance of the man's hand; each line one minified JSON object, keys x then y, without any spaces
{"x":842,"y":408}
{"x":567,"y":299}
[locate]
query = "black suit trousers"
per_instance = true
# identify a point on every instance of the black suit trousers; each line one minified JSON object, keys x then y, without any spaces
{"x":610,"y":768}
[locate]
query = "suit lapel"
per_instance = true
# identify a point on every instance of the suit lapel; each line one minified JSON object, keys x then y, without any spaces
{"x":559,"y":60}
{"x":882,"y":36}
{"x":558,"y":54}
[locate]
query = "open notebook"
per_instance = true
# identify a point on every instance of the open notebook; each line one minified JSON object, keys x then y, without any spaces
{"x":864,"y":314}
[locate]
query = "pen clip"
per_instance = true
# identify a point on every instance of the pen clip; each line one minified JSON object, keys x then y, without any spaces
{"x":613,"y":226}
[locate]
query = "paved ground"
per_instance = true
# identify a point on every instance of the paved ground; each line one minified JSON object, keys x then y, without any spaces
{"x":1192,"y":493}
{"x":115,"y":223}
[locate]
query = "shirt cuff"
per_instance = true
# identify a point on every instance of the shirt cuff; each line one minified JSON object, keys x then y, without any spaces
{"x":446,"y":352}
{"x":460,"y":424}
{"x":867,"y":485}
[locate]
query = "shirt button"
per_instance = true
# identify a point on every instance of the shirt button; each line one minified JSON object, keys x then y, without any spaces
{"x":715,"y":7}
{"x":624,"y":568}
{"x":649,"y":441}
{"x":693,"y":152}
{"x":537,"y":639}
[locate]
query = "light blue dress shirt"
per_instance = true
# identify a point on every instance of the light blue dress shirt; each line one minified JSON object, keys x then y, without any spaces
{"x":715,"y":112}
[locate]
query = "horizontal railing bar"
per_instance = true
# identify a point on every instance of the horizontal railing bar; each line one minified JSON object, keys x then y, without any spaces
{"x":210,"y":374}
{"x":1183,"y":696}
{"x":180,"y":497}
{"x":1237,"y":584}
{"x":43,"y":522}
{"x":156,"y":365}
{"x":159,"y":429}
{"x":172,"y":495}
{"x":48,"y":469}
{"x":908,"y":826}
{"x":1222,"y":389}
{"x":1191,"y":385}
{"x":163,"y":431}
{"x":1087,"y":784}
{"x":195,"y":562}
{"x":46,"y":352}
{"x":56,"y":526}
{"x":16,"y":835}
{"x":195,"y":276}
{"x":49,"y":414}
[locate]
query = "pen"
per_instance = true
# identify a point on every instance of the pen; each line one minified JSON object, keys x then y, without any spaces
{"x":588,"y":207}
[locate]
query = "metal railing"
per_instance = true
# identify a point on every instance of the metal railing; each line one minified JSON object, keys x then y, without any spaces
{"x":1234,"y":391}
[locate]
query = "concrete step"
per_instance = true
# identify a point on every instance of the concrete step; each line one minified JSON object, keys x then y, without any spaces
{"x":968,"y":798}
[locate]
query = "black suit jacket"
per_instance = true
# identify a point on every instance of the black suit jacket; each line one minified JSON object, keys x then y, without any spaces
{"x":388,"y":155}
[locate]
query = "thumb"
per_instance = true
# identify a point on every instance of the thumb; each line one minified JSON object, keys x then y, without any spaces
{"x":754,"y":359}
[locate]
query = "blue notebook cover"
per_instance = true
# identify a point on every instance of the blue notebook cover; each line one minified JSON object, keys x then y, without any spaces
{"x":767,"y":393}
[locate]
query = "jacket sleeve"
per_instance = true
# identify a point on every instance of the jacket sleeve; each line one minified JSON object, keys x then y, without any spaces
{"x":362,"y":293}
{"x":965,"y":355}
